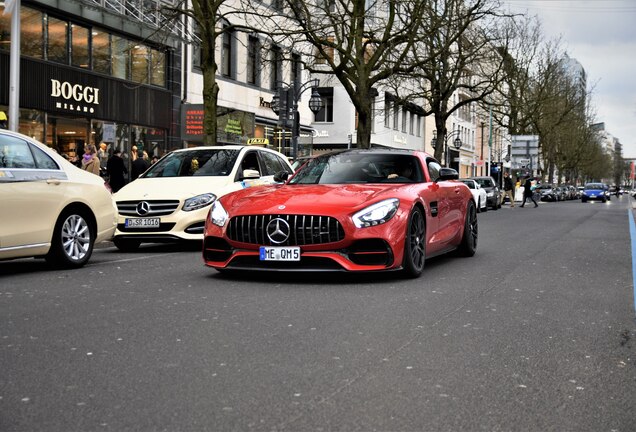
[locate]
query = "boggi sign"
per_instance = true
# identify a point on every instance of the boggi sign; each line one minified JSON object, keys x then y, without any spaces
{"x":75,"y":96}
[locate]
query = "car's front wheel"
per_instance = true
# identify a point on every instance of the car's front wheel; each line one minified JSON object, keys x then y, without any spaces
{"x":415,"y":244}
{"x":468,"y":245}
{"x":73,"y":239}
{"x":126,"y":245}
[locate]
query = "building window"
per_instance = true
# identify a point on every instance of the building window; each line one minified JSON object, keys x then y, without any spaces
{"x":56,"y":47}
{"x":158,"y":68}
{"x":80,"y":55}
{"x":227,"y":57}
{"x":31,"y":25}
{"x":387,"y":112}
{"x":295,"y":69}
{"x":253,"y":70}
{"x":121,"y":57}
{"x":418,"y":132}
{"x":396,"y":116}
{"x":140,"y":64}
{"x":404,"y":119}
{"x":277,"y":67}
{"x":412,"y":123}
{"x":325,"y":115}
{"x":195,"y":45}
{"x":101,"y":51}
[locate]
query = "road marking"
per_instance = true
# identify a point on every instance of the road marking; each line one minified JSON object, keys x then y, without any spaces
{"x":632,"y":232}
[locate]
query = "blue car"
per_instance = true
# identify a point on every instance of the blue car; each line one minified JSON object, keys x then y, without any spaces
{"x":594,"y":191}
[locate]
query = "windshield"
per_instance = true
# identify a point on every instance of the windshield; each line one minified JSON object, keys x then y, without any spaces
{"x":362,"y":168}
{"x":485,"y":182}
{"x":470,"y":184}
{"x":594,"y":186}
{"x":204,"y":162}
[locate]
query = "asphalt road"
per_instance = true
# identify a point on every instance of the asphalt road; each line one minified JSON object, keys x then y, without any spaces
{"x":536,"y":332}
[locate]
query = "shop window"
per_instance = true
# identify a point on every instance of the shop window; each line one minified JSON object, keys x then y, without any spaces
{"x":158,"y":68}
{"x":31,"y":33}
{"x":79,"y":46}
{"x":5,"y":30}
{"x":101,"y":51}
{"x":120,"y":57}
{"x":56,"y":47}
{"x":140,"y":64}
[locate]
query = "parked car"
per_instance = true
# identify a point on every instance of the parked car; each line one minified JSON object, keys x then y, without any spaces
{"x":547,"y":192}
{"x":561,"y":193}
{"x":170,"y":201}
{"x":50,"y":208}
{"x":594,"y":192}
{"x":492,"y":191}
{"x":479,"y":194}
{"x":353,"y":210}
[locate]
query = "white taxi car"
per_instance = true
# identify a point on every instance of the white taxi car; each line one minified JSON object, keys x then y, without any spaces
{"x":171,"y":200}
{"x":50,"y":208}
{"x":479,"y":194}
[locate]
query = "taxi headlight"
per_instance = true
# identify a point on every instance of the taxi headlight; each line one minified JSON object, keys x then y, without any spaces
{"x":376,"y":214}
{"x":218,"y":215}
{"x":199,"y":201}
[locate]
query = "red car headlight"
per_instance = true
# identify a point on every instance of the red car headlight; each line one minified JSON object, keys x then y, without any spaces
{"x":376,"y":214}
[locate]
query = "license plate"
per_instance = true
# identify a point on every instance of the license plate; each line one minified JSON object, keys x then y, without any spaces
{"x":143,"y":223}
{"x":279,"y":253}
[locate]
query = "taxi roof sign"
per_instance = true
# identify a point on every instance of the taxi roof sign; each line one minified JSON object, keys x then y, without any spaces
{"x":258,"y":141}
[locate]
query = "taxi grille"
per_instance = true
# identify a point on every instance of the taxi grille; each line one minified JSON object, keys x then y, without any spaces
{"x":301,"y":230}
{"x":155,"y":207}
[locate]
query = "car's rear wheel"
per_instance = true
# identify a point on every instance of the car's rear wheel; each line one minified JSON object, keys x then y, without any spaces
{"x":468,"y":245}
{"x":415,"y":244}
{"x":126,"y":245}
{"x":73,"y":239}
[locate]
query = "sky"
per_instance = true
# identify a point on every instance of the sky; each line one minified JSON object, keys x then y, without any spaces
{"x":601,"y":35}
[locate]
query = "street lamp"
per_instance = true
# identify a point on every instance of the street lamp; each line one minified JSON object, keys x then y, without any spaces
{"x":457,"y":143}
{"x":285,"y":105}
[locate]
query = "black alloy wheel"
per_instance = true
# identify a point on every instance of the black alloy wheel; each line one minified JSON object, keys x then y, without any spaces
{"x":415,"y":244}
{"x":468,"y":245}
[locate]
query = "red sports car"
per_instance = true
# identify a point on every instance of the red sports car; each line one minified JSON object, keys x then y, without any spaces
{"x":352,"y":210}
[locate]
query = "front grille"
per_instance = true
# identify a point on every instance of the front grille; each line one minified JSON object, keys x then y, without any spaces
{"x":303,"y":230}
{"x":155,"y":207}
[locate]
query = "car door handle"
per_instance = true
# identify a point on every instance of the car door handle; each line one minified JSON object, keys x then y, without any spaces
{"x":53,"y":181}
{"x":457,"y":190}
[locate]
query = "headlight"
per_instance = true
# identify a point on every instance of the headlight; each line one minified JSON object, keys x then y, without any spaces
{"x":376,"y":214}
{"x":199,"y":201}
{"x":491,"y":194}
{"x":218,"y":215}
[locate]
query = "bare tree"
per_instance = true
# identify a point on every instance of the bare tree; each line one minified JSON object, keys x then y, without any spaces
{"x":361,"y":43}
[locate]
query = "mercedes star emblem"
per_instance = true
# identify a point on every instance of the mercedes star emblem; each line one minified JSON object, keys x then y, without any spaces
{"x":278,"y":230}
{"x":143,"y":208}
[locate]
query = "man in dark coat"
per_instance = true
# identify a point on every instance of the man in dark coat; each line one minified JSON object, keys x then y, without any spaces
{"x":138,"y":166}
{"x":116,"y":169}
{"x":528,"y":192}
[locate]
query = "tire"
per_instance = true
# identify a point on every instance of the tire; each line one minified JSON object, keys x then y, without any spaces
{"x":73,"y":239}
{"x":415,"y":244}
{"x":479,"y":207}
{"x":126,"y":245}
{"x":468,"y":245}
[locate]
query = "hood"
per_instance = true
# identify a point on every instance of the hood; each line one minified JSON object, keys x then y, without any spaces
{"x":304,"y":199}
{"x":162,"y":188}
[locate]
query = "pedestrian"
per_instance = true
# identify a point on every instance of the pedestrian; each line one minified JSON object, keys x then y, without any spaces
{"x":508,"y":189}
{"x":102,"y":154}
{"x":528,"y":192}
{"x":90,"y":160}
{"x":138,"y":166}
{"x":116,"y":170}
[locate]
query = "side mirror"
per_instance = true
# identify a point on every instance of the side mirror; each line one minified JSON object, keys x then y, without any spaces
{"x":250,"y":174}
{"x":281,"y":176}
{"x":447,"y":174}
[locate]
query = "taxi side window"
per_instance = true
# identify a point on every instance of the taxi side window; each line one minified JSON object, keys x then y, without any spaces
{"x":273,"y":164}
{"x":250,"y":161}
{"x":43,"y":160}
{"x":15,"y":153}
